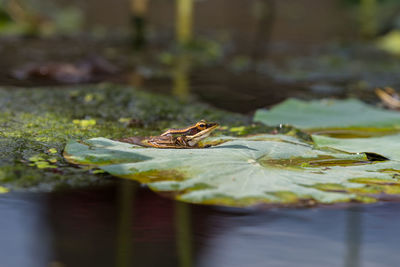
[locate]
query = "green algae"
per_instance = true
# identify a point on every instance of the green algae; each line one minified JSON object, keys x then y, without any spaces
{"x":35,"y":124}
{"x":42,"y":163}
{"x":21,"y":176}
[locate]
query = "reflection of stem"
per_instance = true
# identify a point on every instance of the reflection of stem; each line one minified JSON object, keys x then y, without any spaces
{"x":124,"y":239}
{"x":139,"y":10}
{"x":181,"y":77}
{"x":184,"y":18}
{"x":184,"y":234}
{"x":354,"y":236}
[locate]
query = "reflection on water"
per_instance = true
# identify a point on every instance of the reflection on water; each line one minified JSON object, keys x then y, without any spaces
{"x":124,"y":225}
{"x":184,"y":234}
{"x":125,"y":219}
{"x":25,"y":237}
{"x":354,"y":237}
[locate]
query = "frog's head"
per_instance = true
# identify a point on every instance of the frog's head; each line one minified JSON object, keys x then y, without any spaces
{"x":203,"y":130}
{"x":204,"y":125}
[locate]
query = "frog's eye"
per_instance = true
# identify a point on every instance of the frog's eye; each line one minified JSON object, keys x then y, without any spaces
{"x":202,"y":126}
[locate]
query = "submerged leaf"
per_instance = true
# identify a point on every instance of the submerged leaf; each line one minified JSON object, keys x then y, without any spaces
{"x":269,"y":169}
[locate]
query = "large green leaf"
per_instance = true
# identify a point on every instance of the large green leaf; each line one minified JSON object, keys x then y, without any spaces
{"x":245,"y":171}
{"x":328,"y":114}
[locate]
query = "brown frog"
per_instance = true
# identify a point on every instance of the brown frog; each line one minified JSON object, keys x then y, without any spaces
{"x":188,"y":137}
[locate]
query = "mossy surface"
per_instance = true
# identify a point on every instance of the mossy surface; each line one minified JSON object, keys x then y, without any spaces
{"x":35,"y":124}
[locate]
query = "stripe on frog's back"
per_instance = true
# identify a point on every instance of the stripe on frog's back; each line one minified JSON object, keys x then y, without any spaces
{"x":186,"y":131}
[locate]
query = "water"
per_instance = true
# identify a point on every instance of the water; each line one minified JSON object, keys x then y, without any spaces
{"x":126,"y":225}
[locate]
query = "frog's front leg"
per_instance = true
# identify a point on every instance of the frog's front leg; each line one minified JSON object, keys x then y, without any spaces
{"x":182,"y":141}
{"x":186,"y":141}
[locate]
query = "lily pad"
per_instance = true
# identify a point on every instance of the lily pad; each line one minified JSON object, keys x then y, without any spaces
{"x":264,"y":169}
{"x":387,"y":146}
{"x":328,"y":114}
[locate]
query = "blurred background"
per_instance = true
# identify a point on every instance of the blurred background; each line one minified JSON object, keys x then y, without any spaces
{"x":237,"y":55}
{"x":221,"y":52}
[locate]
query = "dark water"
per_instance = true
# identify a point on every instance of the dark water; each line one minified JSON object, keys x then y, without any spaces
{"x":125,"y":225}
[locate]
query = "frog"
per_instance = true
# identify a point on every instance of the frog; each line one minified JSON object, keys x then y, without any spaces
{"x":188,"y":137}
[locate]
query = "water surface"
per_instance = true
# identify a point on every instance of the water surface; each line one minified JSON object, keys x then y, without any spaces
{"x":127,"y":225}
